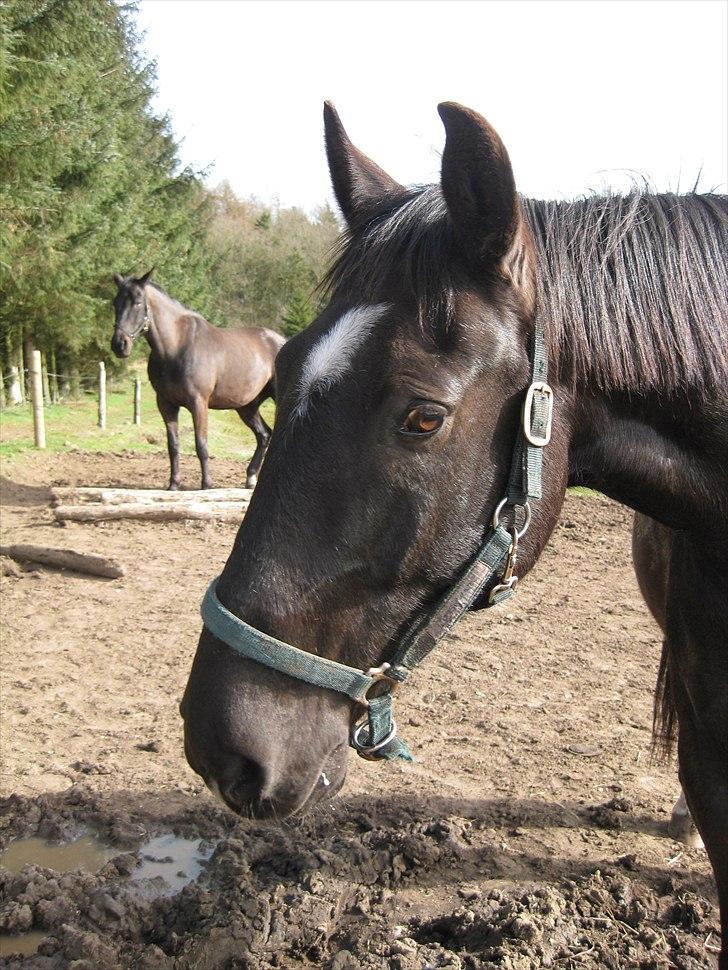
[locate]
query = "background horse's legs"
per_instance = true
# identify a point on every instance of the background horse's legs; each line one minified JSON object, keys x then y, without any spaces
{"x":170,"y":414}
{"x":252,"y":417}
{"x":697,"y":635}
{"x":198,"y":409}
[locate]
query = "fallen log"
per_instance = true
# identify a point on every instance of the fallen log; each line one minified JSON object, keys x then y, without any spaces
{"x":76,"y":495}
{"x":80,"y":562}
{"x":152,"y":512}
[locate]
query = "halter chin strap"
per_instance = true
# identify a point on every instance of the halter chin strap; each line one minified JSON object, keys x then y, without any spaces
{"x":490,"y":572}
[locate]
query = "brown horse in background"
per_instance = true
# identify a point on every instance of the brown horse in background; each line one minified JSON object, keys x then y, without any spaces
{"x":197,"y":366}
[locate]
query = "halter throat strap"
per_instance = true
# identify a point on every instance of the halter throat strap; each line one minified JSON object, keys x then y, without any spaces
{"x":490,"y":573}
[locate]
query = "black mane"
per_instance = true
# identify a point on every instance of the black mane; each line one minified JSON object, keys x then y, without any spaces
{"x":631,"y":288}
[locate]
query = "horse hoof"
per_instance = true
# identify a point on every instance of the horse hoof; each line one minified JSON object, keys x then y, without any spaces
{"x":173,"y":487}
{"x":682,"y":828}
{"x":251,"y":481}
{"x":206,"y":485}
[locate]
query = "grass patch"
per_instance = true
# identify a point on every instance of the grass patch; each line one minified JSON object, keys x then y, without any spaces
{"x":73,"y":426}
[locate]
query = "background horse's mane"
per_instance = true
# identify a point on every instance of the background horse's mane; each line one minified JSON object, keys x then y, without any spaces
{"x":631,"y":288}
{"x":172,"y":299}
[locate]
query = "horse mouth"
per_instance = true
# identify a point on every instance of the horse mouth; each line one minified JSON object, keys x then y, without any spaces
{"x":328,"y":784}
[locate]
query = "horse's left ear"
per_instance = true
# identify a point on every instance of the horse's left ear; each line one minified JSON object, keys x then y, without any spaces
{"x":143,"y":280}
{"x":359,"y":183}
{"x":478,"y":185}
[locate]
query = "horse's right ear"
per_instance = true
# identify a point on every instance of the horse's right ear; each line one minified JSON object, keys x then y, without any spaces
{"x":478,"y":185}
{"x":359,"y":183}
{"x":118,"y":279}
{"x":143,"y":280}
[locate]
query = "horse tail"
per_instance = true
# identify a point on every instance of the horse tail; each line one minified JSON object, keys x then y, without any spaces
{"x":664,"y":713}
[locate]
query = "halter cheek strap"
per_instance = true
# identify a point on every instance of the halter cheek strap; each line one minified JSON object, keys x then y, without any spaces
{"x":490,"y":572}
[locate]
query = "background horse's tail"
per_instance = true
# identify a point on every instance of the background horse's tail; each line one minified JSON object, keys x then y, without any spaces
{"x":664,"y":714}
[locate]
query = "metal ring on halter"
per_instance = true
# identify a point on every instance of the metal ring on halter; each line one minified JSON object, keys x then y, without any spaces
{"x":527,"y":521}
{"x":370,"y":749}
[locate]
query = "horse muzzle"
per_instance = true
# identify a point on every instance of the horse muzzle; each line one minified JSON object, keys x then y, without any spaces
{"x":121,"y":344}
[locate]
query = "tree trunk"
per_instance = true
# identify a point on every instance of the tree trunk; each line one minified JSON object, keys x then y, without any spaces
{"x":55,"y":394}
{"x":46,"y":383}
{"x":28,"y":348}
{"x":21,"y":370}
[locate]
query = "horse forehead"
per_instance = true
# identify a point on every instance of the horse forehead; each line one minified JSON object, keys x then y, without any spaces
{"x":330,"y":357}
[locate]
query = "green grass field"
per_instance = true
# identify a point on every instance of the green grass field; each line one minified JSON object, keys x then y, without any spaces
{"x":73,"y":425}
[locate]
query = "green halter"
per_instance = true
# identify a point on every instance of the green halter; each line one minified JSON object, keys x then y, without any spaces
{"x":491,"y":572}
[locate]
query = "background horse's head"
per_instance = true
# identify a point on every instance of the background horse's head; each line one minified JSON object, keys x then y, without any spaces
{"x":398,"y":410}
{"x":131,"y":315}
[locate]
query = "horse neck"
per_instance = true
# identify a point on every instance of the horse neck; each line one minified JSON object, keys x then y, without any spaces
{"x":656,"y":453}
{"x":164,"y":334}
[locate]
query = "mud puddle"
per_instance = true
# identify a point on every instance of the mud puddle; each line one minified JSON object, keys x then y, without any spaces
{"x":161,"y":867}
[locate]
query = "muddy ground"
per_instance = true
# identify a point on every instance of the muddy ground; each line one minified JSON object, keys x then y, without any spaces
{"x":530,"y":832}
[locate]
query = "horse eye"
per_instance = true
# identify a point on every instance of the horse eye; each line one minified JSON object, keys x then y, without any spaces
{"x":423,"y":420}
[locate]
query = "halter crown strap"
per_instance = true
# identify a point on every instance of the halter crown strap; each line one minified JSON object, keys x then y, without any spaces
{"x":376,"y":737}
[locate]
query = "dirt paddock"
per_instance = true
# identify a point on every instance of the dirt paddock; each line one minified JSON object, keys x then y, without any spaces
{"x":530,"y":832}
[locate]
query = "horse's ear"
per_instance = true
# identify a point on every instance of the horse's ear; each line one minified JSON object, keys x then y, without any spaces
{"x":143,"y":280}
{"x":118,"y":279}
{"x":478,"y":185}
{"x":359,"y":183}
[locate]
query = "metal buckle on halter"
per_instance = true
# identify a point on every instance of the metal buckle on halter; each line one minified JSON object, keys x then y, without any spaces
{"x":520,"y":533}
{"x":366,"y":749}
{"x":508,"y":581}
{"x":538,"y":440}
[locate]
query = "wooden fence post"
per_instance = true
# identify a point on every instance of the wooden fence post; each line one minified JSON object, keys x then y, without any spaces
{"x":102,"y":395}
{"x":137,"y":400}
{"x":36,"y":391}
{"x":14,"y":390}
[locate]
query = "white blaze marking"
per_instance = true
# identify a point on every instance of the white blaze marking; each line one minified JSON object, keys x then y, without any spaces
{"x":329,"y":359}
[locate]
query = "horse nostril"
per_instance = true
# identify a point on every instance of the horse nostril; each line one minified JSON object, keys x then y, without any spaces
{"x":247,"y":786}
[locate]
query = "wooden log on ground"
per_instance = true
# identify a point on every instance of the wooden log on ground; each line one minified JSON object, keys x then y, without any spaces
{"x":79,"y":562}
{"x":71,"y":495}
{"x":152,"y":512}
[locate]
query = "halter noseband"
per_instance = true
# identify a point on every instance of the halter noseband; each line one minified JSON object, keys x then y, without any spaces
{"x":490,"y":572}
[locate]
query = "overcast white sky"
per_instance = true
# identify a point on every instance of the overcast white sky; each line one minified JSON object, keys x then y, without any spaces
{"x":584,"y":94}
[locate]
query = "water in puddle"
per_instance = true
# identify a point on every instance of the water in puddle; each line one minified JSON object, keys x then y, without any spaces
{"x":24,"y":943}
{"x":177,"y":861}
{"x":84,"y":853}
